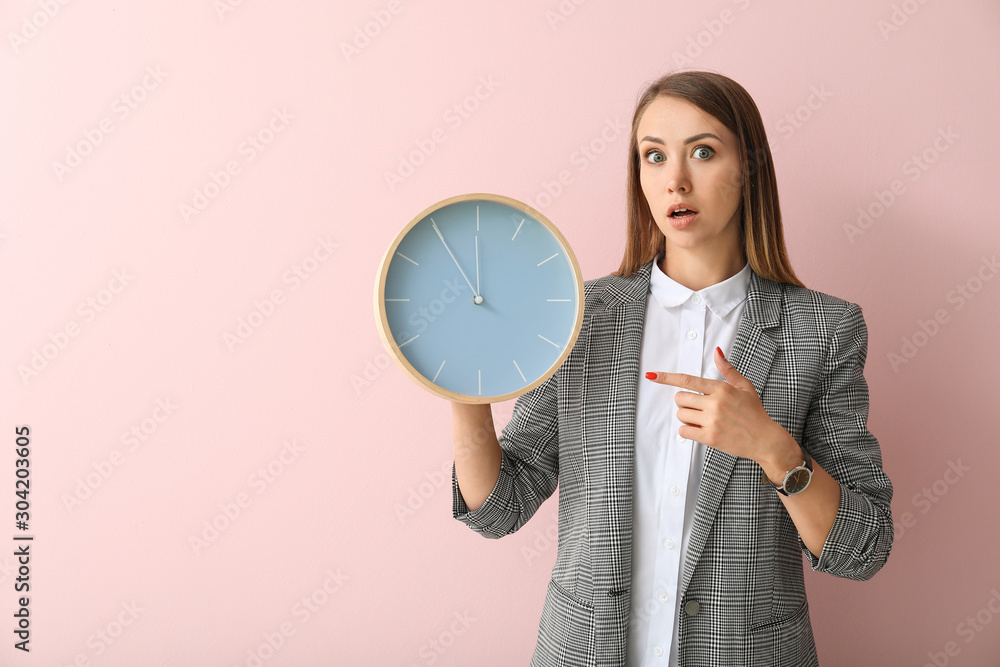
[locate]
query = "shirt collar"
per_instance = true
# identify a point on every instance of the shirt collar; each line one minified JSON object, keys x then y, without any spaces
{"x":720,"y":297}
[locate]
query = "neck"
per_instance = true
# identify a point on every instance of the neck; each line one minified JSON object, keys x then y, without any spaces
{"x":698,"y":272}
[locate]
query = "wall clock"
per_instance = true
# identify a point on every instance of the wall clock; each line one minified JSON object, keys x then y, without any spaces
{"x":479,"y":299}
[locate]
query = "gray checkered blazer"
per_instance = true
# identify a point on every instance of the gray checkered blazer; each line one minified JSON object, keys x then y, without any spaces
{"x":804,"y":352}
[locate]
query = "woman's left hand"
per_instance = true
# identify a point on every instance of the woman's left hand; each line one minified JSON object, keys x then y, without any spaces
{"x":728,"y":416}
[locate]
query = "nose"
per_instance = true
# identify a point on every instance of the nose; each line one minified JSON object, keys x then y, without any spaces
{"x":677,"y":177}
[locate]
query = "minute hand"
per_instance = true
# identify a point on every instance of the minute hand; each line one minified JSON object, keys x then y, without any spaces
{"x":438,"y":232}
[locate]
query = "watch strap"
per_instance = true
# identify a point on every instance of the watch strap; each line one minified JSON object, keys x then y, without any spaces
{"x":780,"y":488}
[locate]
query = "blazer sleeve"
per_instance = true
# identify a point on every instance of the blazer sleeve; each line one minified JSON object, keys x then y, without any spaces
{"x":836,"y":435}
{"x":529,"y":466}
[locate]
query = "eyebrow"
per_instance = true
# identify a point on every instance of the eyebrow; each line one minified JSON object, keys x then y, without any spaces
{"x":696,"y":137}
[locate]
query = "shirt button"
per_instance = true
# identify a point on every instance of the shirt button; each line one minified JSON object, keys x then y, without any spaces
{"x":668,"y":544}
{"x":664,"y":597}
{"x":692,"y":608}
{"x":658,"y":651}
{"x":692,"y":335}
{"x":696,"y":298}
{"x":674,"y":490}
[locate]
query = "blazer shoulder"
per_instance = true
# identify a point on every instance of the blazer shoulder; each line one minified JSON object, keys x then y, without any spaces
{"x":593,"y":289}
{"x":802,"y":300}
{"x":595,"y":293}
{"x":611,"y":290}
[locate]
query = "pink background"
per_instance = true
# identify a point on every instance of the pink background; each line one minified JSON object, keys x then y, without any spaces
{"x":355,"y":516}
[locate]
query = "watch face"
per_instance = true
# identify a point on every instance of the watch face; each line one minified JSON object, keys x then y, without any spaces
{"x":479,"y":298}
{"x":797,"y":481}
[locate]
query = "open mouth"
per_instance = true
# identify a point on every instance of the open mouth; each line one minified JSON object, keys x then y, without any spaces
{"x":683,"y":213}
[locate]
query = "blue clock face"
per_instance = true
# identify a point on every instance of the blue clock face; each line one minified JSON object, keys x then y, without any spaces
{"x":481,"y":298}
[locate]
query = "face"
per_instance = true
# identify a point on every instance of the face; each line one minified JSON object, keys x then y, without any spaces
{"x":679,"y":162}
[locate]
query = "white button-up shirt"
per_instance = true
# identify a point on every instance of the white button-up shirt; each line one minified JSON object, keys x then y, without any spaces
{"x":681,"y":330}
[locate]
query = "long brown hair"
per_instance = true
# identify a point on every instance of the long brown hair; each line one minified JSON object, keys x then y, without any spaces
{"x":761,"y":232}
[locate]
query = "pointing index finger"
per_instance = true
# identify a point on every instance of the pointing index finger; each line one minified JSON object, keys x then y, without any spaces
{"x":683,"y":380}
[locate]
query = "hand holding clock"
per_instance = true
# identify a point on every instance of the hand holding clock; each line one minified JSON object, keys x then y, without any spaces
{"x":478,"y":356}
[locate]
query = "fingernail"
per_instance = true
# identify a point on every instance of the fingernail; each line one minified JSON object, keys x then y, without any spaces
{"x":650,"y":376}
{"x":720,"y":351}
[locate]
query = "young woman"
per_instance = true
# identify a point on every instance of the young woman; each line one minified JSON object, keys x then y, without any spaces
{"x":708,"y":427}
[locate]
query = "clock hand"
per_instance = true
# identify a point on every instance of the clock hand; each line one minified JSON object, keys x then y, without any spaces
{"x":478,"y":298}
{"x":477,"y":263}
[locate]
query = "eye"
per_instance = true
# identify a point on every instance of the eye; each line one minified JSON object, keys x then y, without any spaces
{"x":705,"y":148}
{"x":655,"y":152}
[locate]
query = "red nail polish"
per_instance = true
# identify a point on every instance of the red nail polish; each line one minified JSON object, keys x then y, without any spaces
{"x":720,"y":351}
{"x":650,"y":376}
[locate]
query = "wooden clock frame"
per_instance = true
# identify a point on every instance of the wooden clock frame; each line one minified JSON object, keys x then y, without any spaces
{"x":383,"y":322}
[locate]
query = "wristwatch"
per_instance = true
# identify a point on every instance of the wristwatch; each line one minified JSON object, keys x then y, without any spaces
{"x":796,"y":480}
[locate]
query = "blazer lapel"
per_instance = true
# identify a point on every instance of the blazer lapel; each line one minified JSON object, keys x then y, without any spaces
{"x":752,"y":353}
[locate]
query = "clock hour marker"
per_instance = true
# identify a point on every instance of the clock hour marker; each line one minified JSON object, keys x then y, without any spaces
{"x":418,"y":336}
{"x":408,"y":299}
{"x":406,"y":258}
{"x":439,"y":372}
{"x":517,"y":230}
{"x":545,"y":339}
{"x":477,"y":217}
{"x":546,"y":299}
{"x":547,"y":259}
{"x":519,"y":370}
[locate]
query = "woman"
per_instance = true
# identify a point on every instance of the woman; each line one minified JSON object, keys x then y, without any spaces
{"x":688,"y":496}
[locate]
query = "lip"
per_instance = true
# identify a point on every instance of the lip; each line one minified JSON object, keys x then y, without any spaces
{"x":680,"y":204}
{"x":682,"y":223}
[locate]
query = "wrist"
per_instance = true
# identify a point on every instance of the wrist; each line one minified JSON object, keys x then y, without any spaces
{"x":785,"y":455}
